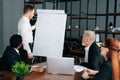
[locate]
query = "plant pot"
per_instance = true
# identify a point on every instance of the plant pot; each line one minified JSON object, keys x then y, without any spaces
{"x":19,"y":77}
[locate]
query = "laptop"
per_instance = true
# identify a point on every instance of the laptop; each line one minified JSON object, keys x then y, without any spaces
{"x":60,"y":65}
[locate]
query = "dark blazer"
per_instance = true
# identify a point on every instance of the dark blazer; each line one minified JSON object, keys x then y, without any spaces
{"x":9,"y":57}
{"x":105,"y":72}
{"x":94,"y":57}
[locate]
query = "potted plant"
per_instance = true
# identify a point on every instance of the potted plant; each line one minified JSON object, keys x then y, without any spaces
{"x":20,"y":69}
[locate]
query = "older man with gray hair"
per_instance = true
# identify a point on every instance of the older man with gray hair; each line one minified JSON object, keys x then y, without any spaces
{"x":93,"y":58}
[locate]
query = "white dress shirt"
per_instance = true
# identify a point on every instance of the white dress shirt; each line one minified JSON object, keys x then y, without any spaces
{"x":86,"y":53}
{"x":17,"y":51}
{"x":25,"y":30}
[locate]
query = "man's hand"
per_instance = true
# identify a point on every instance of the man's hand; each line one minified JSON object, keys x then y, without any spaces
{"x":38,"y":69}
{"x":85,"y":75}
{"x":36,"y":24}
{"x":91,"y":72}
{"x":30,"y":55}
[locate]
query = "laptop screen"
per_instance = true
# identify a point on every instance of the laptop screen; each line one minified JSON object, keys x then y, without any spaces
{"x":60,"y":65}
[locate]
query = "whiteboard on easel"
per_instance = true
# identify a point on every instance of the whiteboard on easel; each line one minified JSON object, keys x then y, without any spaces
{"x":50,"y":32}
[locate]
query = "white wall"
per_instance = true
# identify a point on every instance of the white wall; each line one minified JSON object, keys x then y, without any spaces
{"x":12,"y":11}
{"x":1,"y":26}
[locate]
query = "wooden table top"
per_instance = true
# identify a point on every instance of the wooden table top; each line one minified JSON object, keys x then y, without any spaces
{"x":5,"y":75}
{"x":40,"y":76}
{"x":45,"y":76}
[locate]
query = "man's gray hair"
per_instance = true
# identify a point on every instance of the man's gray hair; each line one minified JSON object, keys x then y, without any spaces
{"x":90,"y":35}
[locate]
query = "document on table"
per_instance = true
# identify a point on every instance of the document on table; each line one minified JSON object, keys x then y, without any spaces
{"x":79,"y":68}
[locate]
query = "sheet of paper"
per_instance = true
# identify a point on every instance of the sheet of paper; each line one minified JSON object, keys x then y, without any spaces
{"x":79,"y":68}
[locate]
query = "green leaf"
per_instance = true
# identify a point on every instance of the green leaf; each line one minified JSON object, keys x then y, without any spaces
{"x":20,"y":68}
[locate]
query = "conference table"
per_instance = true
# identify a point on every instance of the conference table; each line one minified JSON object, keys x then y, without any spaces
{"x":41,"y":76}
{"x":5,"y":75}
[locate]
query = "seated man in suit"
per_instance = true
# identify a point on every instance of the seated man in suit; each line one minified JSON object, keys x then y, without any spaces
{"x":93,"y":58}
{"x":11,"y":54}
{"x":109,"y":70}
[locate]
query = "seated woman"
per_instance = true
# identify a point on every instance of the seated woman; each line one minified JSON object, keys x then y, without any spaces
{"x":110,"y":69}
